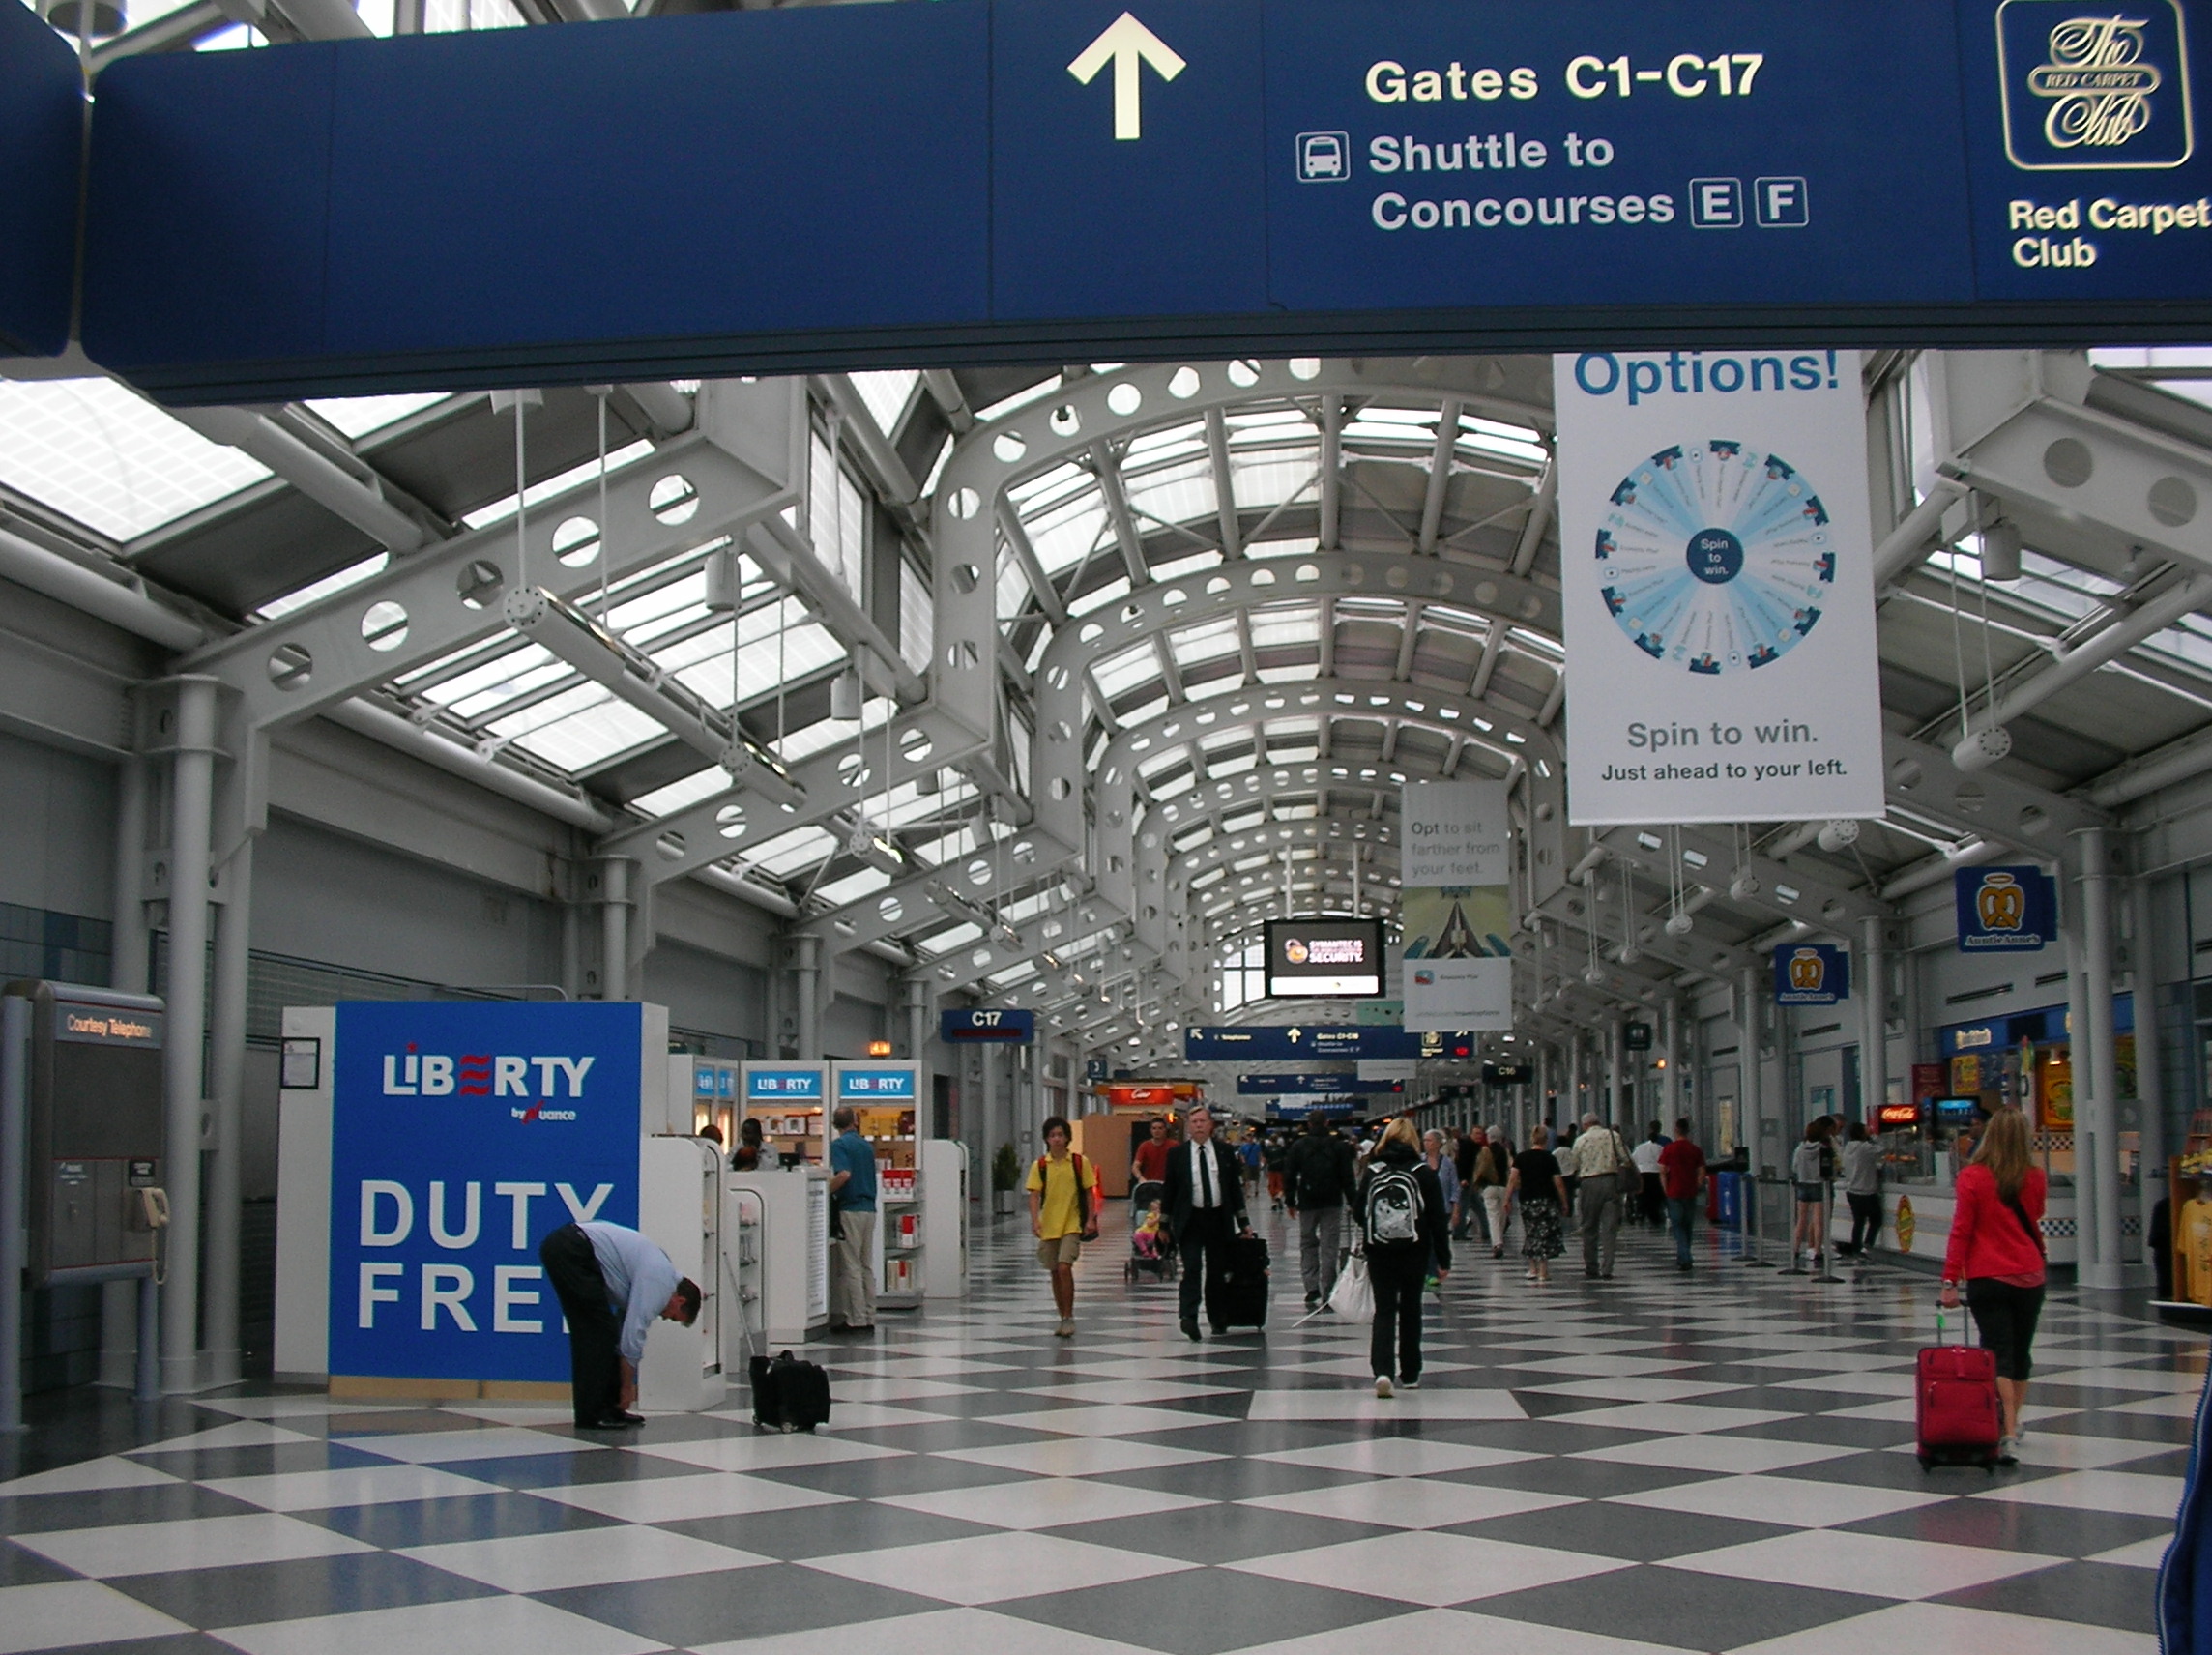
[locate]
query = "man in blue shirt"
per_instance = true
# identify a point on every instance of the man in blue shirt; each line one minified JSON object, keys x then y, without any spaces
{"x":612,"y":1283}
{"x":853,"y":1188}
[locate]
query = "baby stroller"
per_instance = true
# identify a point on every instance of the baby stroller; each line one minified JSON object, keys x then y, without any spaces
{"x":1158,"y":1262}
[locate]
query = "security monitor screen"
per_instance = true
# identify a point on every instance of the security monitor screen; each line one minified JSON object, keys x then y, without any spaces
{"x":1308,"y":958}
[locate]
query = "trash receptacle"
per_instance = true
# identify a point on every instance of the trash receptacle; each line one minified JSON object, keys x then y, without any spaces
{"x":1727,"y":1200}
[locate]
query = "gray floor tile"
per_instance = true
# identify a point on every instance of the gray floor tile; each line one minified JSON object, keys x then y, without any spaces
{"x":1203,"y":1611}
{"x":256,"y":1592}
{"x":2052,"y":1531}
{"x":1218,"y":1533}
{"x":2095,"y":1594}
{"x":171,"y":1502}
{"x":1604,"y":1529}
{"x":1653,"y":1603}
{"x":902,"y":1474}
{"x":436,"y":1523}
{"x":826,"y":1530}
{"x":741,"y":1602}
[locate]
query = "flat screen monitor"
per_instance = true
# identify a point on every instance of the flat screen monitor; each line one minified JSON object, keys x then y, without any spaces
{"x":1957,"y":1111}
{"x":1333,"y":958}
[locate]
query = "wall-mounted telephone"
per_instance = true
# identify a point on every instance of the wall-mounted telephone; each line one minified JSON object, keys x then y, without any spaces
{"x":149,"y":1208}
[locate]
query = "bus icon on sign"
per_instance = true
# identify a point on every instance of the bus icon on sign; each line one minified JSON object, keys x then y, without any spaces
{"x":1324,"y":157}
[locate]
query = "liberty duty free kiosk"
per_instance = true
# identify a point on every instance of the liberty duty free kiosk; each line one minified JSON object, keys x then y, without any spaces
{"x":82,"y":1147}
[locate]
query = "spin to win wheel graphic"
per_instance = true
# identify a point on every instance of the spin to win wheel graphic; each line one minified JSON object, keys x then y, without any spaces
{"x":1715,"y":558}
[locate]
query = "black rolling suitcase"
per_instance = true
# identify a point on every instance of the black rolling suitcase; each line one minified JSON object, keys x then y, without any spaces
{"x":789,"y":1394}
{"x":1237,"y":1297}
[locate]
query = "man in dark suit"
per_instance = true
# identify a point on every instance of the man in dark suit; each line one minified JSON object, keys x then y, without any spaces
{"x":1204,"y":1209}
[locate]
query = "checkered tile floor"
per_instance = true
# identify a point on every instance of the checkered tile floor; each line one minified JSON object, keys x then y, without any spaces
{"x":1715,"y":1463}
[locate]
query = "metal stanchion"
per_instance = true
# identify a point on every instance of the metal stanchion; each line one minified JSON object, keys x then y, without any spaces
{"x":1825,"y":1252}
{"x":1754,"y":1223}
{"x":15,"y":1194}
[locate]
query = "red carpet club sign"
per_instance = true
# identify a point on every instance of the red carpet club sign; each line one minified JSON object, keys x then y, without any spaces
{"x":1716,"y":567}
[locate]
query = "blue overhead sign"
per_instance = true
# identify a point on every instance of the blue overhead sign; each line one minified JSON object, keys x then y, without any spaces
{"x":987,"y":1024}
{"x":461,"y":1134}
{"x":1235,"y":1044}
{"x":41,"y":148}
{"x":1183,"y":174}
{"x":2007,"y":909}
{"x":1311,"y":1086}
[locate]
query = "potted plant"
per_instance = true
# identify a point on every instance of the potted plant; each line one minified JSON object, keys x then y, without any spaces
{"x":1006,"y":1180}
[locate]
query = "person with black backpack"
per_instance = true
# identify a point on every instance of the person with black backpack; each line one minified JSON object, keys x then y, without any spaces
{"x":1404,"y":1230}
{"x":1317,"y":1176}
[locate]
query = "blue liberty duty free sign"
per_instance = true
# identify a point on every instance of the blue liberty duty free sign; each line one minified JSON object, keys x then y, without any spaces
{"x":461,"y":1134}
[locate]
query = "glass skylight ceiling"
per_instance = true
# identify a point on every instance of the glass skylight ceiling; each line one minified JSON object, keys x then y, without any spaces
{"x":108,"y":459}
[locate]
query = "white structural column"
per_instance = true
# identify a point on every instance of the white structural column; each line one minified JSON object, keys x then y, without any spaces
{"x":2096,"y":1135}
{"x":119,"y":1300}
{"x":2150,"y":1094}
{"x":226,"y":1079}
{"x":807,"y":991}
{"x":614,"y":927}
{"x":1615,"y":1068}
{"x":1671,"y":1054}
{"x":1874,"y":1020}
{"x":1750,"y":1106}
{"x":192,"y":801}
{"x":916,"y":993}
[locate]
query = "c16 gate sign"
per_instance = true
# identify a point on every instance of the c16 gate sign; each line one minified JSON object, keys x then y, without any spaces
{"x":1144,"y":178}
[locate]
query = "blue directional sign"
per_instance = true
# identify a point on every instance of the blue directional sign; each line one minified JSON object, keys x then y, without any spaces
{"x":1311,"y":1086}
{"x":42,"y":145}
{"x":987,"y":1025}
{"x":1236,"y":1043}
{"x":1141,"y":177}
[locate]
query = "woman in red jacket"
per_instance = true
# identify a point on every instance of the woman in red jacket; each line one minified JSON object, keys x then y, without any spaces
{"x":1996,"y":1249}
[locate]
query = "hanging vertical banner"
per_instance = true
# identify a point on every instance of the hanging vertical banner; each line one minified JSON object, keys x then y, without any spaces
{"x":1456,"y":904}
{"x":2009,"y":910}
{"x":1811,"y":974}
{"x":1717,"y":586}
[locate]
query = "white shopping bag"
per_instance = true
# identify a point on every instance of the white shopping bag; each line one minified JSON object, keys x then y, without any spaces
{"x":1352,"y":1298}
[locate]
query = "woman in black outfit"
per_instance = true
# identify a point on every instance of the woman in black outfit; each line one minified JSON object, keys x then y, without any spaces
{"x":1397,"y":1267}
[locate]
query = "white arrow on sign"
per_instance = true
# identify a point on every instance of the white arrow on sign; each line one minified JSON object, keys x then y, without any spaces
{"x":1127,"y":45}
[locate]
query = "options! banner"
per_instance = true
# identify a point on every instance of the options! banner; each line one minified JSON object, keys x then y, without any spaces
{"x":1716,"y":566}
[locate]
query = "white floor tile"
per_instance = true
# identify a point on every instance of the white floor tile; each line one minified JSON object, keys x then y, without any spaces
{"x":897,"y":1390}
{"x":1425,"y":1567}
{"x":942,"y":1632}
{"x":86,"y":1477}
{"x":677,"y":1500}
{"x":2130,"y":1491}
{"x":1605,"y":1367}
{"x":1105,"y":1419}
{"x":491,"y":1442}
{"x":765,"y":1452}
{"x":2139,"y":1555}
{"x":1737,"y":1455}
{"x":68,"y":1614}
{"x":194,"y":1543}
{"x":2071,"y":1452}
{"x":2117,"y":1379}
{"x":1360,"y":1405}
{"x":993,"y":1568}
{"x":349,"y":1485}
{"x":478,"y":1626}
{"x":1398,"y":1457}
{"x":1796,"y":1500}
{"x":1872,"y":1564}
{"x":1636,"y":1390}
{"x":1900,"y":1383}
{"x":1125,"y":1391}
{"x":294,"y":1407}
{"x":1079,"y":1457}
{"x":1044,"y":1502}
{"x":1675,"y":1419}
{"x":1823,"y":1359}
{"x":239,"y":1434}
{"x":1412,"y":1502}
{"x":1941,"y":1629}
{"x":580,"y":1557}
{"x":2161,"y":1406}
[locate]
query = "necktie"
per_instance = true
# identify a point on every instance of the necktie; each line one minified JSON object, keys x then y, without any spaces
{"x":1200,"y":1153}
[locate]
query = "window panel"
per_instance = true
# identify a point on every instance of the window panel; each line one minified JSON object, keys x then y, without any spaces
{"x":111,"y":460}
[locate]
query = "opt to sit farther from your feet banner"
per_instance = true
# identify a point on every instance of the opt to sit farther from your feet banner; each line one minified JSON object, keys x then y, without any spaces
{"x":1715,"y":566}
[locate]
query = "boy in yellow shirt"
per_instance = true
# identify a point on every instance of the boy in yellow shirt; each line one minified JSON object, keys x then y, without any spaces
{"x":1063,"y":1214}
